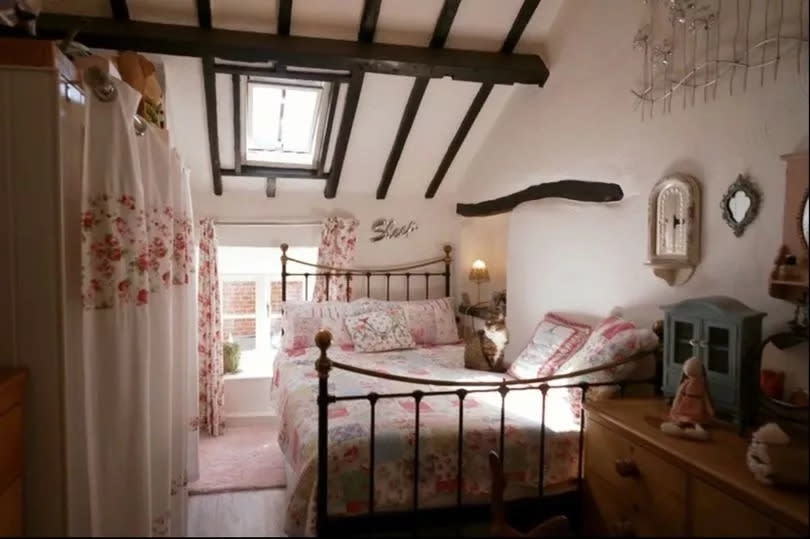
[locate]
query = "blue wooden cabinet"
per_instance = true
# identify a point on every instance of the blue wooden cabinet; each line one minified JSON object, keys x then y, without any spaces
{"x":725,"y":334}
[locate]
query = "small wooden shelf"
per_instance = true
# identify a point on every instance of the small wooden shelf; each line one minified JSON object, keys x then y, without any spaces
{"x":780,"y":282}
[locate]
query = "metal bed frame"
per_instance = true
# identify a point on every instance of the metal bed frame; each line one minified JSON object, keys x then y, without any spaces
{"x":326,"y":525}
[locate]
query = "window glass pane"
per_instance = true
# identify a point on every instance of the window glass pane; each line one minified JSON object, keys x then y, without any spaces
{"x":718,"y":350}
{"x":298,"y":121}
{"x":265,"y":117}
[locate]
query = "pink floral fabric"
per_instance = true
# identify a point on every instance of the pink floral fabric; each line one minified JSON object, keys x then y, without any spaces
{"x":613,"y":339}
{"x":431,"y":321}
{"x":294,"y":393}
{"x":554,"y":341}
{"x":338,"y":244}
{"x":301,"y":320}
{"x":381,"y":330}
{"x":132,"y":251}
{"x":212,"y":368}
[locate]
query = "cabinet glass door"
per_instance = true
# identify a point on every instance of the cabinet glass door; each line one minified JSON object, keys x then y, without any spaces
{"x":684,"y":333}
{"x":717,"y":341}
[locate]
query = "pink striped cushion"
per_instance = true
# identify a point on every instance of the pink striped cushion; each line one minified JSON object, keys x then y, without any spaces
{"x":554,"y":341}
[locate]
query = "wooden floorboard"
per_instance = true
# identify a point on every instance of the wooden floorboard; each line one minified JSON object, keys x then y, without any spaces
{"x":255,"y":513}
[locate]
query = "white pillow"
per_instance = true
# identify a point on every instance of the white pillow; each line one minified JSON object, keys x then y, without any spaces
{"x":554,"y":341}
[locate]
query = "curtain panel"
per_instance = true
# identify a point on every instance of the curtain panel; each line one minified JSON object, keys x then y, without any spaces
{"x":139,"y":372}
{"x":337,"y":248}
{"x":209,"y":343}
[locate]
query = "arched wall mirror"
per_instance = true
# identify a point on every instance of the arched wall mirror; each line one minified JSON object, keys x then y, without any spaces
{"x":740,"y":204}
{"x":674,"y":228}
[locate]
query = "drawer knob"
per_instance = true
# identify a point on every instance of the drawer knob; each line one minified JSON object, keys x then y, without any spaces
{"x":626,"y":468}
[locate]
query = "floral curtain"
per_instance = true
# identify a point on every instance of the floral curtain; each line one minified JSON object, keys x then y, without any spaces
{"x":338,"y":244}
{"x":138,"y":366}
{"x":209,"y":343}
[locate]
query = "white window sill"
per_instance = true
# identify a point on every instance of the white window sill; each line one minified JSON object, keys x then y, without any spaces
{"x":254,"y":364}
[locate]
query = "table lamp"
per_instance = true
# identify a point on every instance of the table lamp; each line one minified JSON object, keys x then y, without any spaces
{"x":479,"y":274}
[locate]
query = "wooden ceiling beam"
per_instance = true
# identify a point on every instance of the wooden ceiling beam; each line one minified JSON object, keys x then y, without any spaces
{"x":120,"y":10}
{"x":344,"y":133}
{"x":334,"y":90}
{"x":440,"y":32}
{"x":280,"y":73}
{"x":368,"y":22}
{"x":204,"y":13}
{"x":522,"y":19}
{"x":210,"y":88}
{"x":257,"y":171}
{"x":570,"y":189}
{"x":304,"y":52}
{"x":284,"y":17}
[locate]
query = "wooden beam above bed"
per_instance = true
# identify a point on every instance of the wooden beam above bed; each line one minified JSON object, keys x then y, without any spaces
{"x":582,"y":191}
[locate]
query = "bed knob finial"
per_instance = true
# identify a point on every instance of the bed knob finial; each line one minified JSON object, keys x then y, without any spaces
{"x":447,"y":250}
{"x":323,"y":339}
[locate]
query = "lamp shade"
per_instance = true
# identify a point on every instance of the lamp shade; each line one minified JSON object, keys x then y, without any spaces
{"x":479,"y":272}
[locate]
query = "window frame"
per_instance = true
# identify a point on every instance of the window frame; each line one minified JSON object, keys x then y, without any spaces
{"x":319,"y":145}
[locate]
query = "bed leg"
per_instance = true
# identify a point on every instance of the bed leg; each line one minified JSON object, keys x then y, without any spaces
{"x":323,"y":339}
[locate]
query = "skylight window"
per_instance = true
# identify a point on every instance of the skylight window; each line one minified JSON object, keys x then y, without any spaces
{"x":284,"y":122}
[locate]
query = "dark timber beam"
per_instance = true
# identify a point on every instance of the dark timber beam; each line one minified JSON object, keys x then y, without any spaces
{"x":210,"y":87}
{"x":280,"y":73}
{"x":204,"y":13}
{"x":237,"y":123}
{"x":570,"y":189}
{"x":254,"y":171}
{"x":368,"y":22}
{"x":342,"y":142}
{"x":334,"y":90}
{"x":527,"y":9}
{"x":284,"y":17}
{"x":304,"y":52}
{"x":120,"y":10}
{"x":443,"y":24}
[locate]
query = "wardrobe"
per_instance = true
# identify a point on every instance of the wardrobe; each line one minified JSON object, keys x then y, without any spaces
{"x":41,"y":115}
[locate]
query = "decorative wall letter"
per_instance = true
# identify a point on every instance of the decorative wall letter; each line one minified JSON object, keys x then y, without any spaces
{"x":388,"y":229}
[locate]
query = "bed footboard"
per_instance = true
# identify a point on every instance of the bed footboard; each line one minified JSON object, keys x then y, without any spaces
{"x":460,"y":390}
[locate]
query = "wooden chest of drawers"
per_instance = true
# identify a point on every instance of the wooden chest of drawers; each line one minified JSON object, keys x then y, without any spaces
{"x":639,"y":481}
{"x":12,"y":385}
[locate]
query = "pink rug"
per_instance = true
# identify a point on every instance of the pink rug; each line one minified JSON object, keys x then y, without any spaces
{"x":244,"y":458}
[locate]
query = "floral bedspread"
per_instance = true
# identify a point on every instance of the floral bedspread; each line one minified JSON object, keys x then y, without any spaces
{"x":294,"y":392}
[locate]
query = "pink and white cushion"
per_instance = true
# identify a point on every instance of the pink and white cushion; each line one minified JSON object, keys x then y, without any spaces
{"x":431,"y":321}
{"x":554,"y":341}
{"x":379,"y":331}
{"x":613,"y":339}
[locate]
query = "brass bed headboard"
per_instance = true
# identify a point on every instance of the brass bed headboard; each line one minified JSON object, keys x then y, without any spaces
{"x":404,"y":271}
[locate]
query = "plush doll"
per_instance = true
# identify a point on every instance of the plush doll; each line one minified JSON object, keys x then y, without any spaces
{"x":692,"y":406}
{"x":773,"y":461}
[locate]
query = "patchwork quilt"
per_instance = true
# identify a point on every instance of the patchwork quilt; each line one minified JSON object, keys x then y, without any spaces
{"x":294,"y":392}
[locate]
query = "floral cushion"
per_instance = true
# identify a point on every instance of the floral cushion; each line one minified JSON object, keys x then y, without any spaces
{"x":431,"y":321}
{"x":613,"y":339}
{"x":378,"y":331}
{"x":301,"y":320}
{"x":554,"y":341}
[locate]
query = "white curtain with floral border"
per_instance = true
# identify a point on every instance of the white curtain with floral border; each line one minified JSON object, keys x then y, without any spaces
{"x":337,"y":248}
{"x":209,"y":343}
{"x":138,"y":327}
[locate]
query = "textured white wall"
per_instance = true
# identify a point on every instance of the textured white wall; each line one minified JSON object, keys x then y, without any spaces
{"x":586,"y":258}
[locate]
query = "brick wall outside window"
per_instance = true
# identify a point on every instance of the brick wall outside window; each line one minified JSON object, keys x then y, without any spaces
{"x":238,"y":297}
{"x":239,"y":327}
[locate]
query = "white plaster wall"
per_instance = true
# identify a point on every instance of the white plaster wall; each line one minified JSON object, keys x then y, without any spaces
{"x":590,"y":258}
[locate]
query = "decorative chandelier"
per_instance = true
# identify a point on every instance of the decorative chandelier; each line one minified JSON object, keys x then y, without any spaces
{"x":694,"y":45}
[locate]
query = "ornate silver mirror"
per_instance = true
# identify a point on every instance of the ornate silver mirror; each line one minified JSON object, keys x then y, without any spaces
{"x":740,"y":204}
{"x":674,"y":228}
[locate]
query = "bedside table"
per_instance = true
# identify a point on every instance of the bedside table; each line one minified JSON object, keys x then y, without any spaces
{"x":639,"y":481}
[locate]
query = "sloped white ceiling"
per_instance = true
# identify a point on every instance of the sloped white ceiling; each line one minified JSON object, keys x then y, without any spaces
{"x":479,"y":25}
